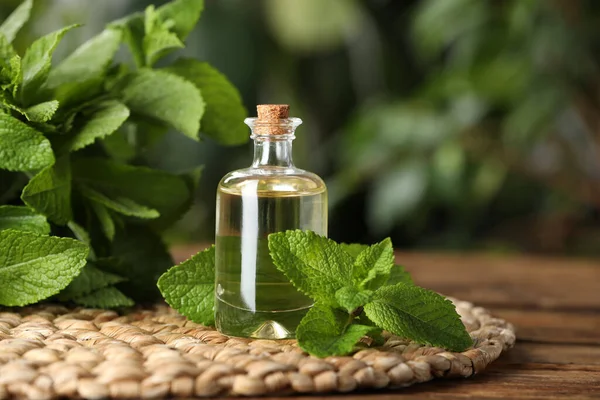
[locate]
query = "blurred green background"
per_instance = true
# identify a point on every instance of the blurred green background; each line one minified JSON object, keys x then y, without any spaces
{"x":445,"y":124}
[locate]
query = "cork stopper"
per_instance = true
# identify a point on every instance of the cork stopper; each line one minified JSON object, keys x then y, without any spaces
{"x":271,"y":114}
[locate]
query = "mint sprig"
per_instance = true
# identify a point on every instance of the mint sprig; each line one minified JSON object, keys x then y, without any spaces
{"x":74,"y":139}
{"x":358,"y":291}
{"x":352,"y":279}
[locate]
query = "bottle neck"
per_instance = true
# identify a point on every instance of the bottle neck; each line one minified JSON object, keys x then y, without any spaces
{"x":272,"y":151}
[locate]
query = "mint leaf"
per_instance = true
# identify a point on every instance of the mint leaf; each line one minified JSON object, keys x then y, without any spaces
{"x":372,"y":266}
{"x":23,"y":219}
{"x":109,"y":297}
{"x":397,"y":272}
{"x":316,"y":265}
{"x":10,"y":76}
{"x":98,"y":122}
{"x":325,"y":331}
{"x":225,"y":112}
{"x":77,"y":76}
{"x":158,"y":41}
{"x":133,"y":35}
{"x":36,"y":64}
{"x":167,"y":98}
{"x":166,"y":193}
{"x":158,"y":44}
{"x":189,"y":287}
{"x":80,"y":233}
{"x":179,"y":16}
{"x":418,"y":314}
{"x":15,"y":21}
{"x":7,"y":53}
{"x":351,"y":298}
{"x":121,"y":205}
{"x":354,"y":249}
{"x":399,"y":275}
{"x":22,"y":148}
{"x":49,"y":192}
{"x":41,"y":112}
{"x":106,"y":222}
{"x":34,"y":267}
{"x":141,"y":257}
{"x":183,"y":13}
{"x":118,"y":145}
{"x":89,"y":280}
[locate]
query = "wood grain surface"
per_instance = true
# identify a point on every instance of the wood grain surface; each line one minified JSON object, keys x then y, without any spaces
{"x":554,"y":304}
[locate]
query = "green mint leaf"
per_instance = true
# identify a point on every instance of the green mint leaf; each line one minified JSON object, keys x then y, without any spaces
{"x":316,"y":265}
{"x":121,"y":205}
{"x":179,"y":16}
{"x":418,"y":314}
{"x":362,"y":319}
{"x":7,"y":53}
{"x":378,"y":338}
{"x":23,"y":219}
{"x":34,"y":267}
{"x":325,"y":331}
{"x":15,"y":21}
{"x":41,"y":112}
{"x":399,"y":275}
{"x":81,"y":73}
{"x":22,"y":148}
{"x":354,"y":249}
{"x":158,"y":44}
{"x":118,"y":146}
{"x":98,"y":122}
{"x":158,"y":40}
{"x":225,"y":112}
{"x":184,"y":15}
{"x":80,"y":233}
{"x":373,"y":265}
{"x":89,"y":280}
{"x":167,"y":98}
{"x":106,"y":221}
{"x":189,"y":287}
{"x":151,"y":20}
{"x":10,"y":78}
{"x":108,"y":297}
{"x":140,"y":256}
{"x":351,"y":298}
{"x":133,"y":30}
{"x":37,"y":62}
{"x":161,"y":191}
{"x":49,"y":192}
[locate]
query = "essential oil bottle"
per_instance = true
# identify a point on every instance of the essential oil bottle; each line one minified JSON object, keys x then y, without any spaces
{"x":253,"y":298}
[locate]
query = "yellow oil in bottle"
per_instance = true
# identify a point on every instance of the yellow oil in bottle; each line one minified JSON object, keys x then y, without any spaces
{"x":252,"y":297}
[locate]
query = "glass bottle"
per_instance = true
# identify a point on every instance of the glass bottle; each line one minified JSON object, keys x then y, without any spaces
{"x":252,"y":297}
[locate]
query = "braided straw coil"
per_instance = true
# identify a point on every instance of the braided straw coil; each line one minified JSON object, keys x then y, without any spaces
{"x":49,"y":352}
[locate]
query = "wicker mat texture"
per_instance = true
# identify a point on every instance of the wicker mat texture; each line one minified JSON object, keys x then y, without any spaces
{"x":51,"y":351}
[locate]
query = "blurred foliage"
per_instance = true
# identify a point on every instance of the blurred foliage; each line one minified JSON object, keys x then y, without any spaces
{"x":503,"y":106}
{"x":442,"y":123}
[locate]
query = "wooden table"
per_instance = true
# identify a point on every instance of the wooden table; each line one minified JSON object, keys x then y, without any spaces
{"x":554,"y":304}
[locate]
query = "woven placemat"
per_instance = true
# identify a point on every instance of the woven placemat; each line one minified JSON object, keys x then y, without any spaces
{"x":52,"y":351}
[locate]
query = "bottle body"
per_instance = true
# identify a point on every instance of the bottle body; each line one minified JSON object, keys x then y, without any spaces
{"x":252,"y":297}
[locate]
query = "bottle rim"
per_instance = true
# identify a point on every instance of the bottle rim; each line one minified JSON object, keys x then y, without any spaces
{"x":283,"y":123}
{"x":273,"y":130}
